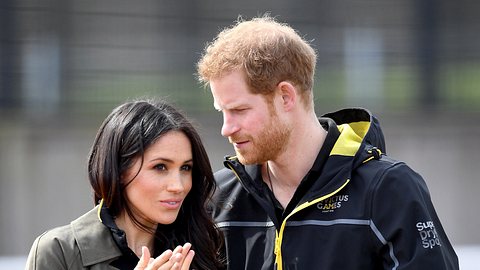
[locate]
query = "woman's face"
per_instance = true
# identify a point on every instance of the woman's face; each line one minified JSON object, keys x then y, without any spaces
{"x":163,"y":181}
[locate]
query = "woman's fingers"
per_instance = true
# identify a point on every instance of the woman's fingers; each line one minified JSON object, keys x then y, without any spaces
{"x":178,"y":259}
{"x":185,"y":249}
{"x":163,"y":262}
{"x":175,"y":262}
{"x":144,"y":259}
{"x":188,"y":260}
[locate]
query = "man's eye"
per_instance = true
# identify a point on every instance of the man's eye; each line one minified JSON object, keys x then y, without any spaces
{"x":160,"y":167}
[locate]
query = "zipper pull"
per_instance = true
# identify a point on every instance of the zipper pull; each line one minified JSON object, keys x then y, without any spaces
{"x":377,"y":153}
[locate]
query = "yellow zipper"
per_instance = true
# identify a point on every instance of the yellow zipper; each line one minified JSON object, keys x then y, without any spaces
{"x":279,"y":235}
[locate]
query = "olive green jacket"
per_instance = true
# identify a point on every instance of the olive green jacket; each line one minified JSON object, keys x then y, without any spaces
{"x":84,"y":244}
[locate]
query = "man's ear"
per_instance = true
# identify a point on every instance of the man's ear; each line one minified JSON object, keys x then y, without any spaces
{"x":288,"y":94}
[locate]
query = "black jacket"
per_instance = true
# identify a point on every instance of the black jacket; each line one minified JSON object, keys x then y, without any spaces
{"x":363,"y":211}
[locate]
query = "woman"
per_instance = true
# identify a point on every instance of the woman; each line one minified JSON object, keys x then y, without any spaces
{"x":151,"y":178}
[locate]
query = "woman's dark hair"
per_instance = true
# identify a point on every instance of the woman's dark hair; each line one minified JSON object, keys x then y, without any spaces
{"x":123,"y":136}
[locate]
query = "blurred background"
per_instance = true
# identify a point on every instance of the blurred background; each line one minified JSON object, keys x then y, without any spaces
{"x":65,"y":64}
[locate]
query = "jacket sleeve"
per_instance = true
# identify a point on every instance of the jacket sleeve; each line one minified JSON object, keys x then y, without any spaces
{"x":46,"y":254}
{"x":404,"y":221}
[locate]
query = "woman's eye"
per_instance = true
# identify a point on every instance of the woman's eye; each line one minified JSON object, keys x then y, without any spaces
{"x":186,"y":167}
{"x":160,"y":167}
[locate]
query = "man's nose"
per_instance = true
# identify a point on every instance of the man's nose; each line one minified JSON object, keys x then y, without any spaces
{"x":229,"y":126}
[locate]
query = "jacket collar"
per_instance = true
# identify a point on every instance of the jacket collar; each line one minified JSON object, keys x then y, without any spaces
{"x":94,"y":239}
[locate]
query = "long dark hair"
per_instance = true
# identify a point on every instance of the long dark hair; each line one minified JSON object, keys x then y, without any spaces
{"x":123,"y":136}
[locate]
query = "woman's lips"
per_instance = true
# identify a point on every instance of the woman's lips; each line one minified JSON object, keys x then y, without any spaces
{"x":171,"y":204}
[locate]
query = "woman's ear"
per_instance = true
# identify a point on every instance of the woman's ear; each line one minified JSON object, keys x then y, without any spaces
{"x":288,"y":94}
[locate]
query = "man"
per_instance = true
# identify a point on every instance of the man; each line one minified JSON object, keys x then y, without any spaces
{"x":304,"y":192}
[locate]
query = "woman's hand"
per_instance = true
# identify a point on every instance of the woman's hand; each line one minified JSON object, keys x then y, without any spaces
{"x":178,"y":259}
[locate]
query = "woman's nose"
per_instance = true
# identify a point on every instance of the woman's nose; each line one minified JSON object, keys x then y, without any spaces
{"x":176,"y":183}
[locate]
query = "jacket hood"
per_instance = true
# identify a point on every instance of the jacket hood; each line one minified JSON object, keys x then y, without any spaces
{"x":358,"y":129}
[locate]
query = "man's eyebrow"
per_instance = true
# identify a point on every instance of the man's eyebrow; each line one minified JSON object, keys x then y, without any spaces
{"x":229,"y":106}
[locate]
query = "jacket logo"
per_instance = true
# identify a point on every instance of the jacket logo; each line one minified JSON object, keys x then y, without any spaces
{"x":428,"y":234}
{"x":331,"y":204}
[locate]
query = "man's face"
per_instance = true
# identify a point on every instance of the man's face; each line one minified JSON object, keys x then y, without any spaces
{"x":250,"y":123}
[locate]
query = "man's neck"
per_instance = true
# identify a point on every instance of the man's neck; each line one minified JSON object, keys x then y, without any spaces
{"x":285,"y":173}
